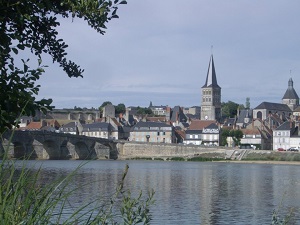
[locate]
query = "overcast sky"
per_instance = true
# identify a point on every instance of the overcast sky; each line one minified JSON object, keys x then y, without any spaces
{"x":159,"y":51}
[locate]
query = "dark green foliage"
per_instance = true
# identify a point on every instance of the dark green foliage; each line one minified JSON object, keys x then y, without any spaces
{"x":141,"y":158}
{"x":144,"y":111}
{"x":224,"y":134}
{"x":30,"y":26}
{"x":177,"y":159}
{"x":120,"y":108}
{"x":204,"y":159}
{"x":235,"y":134}
{"x":158,"y":159}
{"x":229,"y":109}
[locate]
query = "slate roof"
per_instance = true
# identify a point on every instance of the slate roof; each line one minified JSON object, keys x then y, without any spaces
{"x":96,"y":126}
{"x":147,"y":124}
{"x":285,"y":126}
{"x":70,"y":125}
{"x":211,"y":78}
{"x":297,"y":109}
{"x":273,"y":106}
{"x":193,"y":132}
{"x":178,"y":111}
{"x":290,"y":92}
{"x":212,"y":126}
{"x":156,"y":119}
{"x":244,"y":113}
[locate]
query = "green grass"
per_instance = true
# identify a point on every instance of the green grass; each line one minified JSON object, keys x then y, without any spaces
{"x":204,"y":159}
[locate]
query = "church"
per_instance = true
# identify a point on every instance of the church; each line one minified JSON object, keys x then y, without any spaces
{"x":211,"y":95}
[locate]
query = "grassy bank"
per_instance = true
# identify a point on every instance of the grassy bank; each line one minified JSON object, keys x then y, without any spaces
{"x":272,"y":156}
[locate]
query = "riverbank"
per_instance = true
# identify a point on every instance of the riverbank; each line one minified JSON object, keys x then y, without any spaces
{"x":262,"y":162}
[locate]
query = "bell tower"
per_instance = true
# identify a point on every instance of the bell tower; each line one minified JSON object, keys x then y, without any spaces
{"x":211,"y":95}
{"x":290,"y":97}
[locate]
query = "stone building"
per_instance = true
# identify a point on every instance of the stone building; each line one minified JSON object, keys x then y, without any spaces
{"x":155,"y":132}
{"x":290,"y":97}
{"x":211,"y":95}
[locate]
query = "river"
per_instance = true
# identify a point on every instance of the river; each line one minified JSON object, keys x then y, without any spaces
{"x":191,"y":192}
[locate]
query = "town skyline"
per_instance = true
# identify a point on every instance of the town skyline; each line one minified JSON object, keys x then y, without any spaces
{"x":163,"y":56}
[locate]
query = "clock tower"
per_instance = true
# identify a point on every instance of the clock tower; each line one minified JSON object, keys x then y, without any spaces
{"x":211,"y":95}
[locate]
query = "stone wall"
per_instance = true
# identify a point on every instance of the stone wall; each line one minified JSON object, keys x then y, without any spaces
{"x":140,"y":150}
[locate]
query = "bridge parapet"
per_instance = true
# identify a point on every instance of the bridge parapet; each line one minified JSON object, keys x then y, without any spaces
{"x":50,"y":145}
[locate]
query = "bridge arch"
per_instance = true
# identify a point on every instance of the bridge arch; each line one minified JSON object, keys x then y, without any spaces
{"x":83,"y":150}
{"x":19,"y":150}
{"x":52,"y":149}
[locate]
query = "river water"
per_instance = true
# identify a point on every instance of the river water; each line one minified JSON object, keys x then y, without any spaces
{"x":191,"y":192}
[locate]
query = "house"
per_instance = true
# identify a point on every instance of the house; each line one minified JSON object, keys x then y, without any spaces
{"x":100,"y":130}
{"x":155,"y":132}
{"x":282,"y":135}
{"x":211,"y":135}
{"x":193,"y":137}
{"x":158,"y":110}
{"x":252,"y":138}
{"x":204,"y":132}
{"x":71,"y":128}
{"x":32,"y":126}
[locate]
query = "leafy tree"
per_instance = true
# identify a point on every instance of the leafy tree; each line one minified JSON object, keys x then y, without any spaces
{"x":229,"y":109}
{"x":224,"y":135}
{"x":235,"y":134}
{"x":120,"y":108}
{"x":144,"y":111}
{"x":31,"y":26}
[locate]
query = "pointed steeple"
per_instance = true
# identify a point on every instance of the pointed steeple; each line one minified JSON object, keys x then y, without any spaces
{"x":211,"y":78}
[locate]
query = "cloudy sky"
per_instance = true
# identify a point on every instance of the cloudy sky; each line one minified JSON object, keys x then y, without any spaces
{"x":159,"y":51}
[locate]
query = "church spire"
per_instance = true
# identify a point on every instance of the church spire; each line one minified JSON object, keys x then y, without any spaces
{"x":211,"y":78}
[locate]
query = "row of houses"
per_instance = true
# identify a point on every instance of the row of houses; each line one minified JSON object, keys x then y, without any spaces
{"x":260,"y":129}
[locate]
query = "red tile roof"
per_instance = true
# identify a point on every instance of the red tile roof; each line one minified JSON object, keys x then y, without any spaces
{"x":200,"y":124}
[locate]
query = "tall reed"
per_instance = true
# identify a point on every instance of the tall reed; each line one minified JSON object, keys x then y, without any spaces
{"x":24,"y":201}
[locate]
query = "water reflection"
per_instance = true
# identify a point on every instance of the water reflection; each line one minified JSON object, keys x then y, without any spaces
{"x":190,"y":192}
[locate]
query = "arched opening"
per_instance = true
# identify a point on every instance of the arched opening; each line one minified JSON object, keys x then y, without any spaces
{"x":82,"y":150}
{"x":52,"y":149}
{"x":259,"y":115}
{"x":19,"y":150}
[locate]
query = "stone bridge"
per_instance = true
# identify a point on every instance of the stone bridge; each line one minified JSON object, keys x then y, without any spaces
{"x":50,"y":145}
